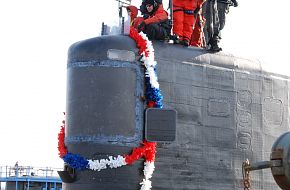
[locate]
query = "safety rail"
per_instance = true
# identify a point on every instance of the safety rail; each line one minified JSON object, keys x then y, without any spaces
{"x":28,"y":171}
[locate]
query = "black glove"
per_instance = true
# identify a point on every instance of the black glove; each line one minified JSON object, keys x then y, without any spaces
{"x":145,"y":15}
{"x":141,"y":26}
{"x":235,"y":3}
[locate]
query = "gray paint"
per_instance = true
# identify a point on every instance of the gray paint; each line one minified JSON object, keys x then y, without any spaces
{"x":229,"y":109}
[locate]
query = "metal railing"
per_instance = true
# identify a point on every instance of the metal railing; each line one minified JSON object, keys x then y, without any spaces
{"x":26,"y":171}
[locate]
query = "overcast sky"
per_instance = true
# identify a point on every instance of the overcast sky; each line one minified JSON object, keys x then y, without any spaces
{"x":36,"y":34}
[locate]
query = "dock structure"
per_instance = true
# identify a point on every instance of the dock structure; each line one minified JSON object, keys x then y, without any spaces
{"x":29,"y":178}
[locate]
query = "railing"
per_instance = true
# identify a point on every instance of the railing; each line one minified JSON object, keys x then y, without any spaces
{"x":28,"y":171}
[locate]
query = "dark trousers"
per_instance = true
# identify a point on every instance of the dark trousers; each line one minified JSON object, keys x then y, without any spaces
{"x":215,"y":15}
{"x":223,"y":9}
{"x":156,"y":31}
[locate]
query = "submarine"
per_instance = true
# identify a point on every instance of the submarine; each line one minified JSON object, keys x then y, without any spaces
{"x":217,"y":111}
{"x":228,"y":109}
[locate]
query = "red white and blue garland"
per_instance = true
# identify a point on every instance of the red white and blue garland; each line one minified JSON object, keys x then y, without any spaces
{"x":148,"y":150}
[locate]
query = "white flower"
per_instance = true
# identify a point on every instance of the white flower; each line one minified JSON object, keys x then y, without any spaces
{"x":146,"y":185}
{"x":112,"y":162}
{"x":148,"y":169}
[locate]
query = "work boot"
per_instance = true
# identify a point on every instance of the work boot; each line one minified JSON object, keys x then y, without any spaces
{"x":214,"y":45}
{"x":185,"y":43}
{"x":175,"y":39}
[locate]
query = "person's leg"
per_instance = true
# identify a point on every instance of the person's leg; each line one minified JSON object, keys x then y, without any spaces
{"x":189,"y":20}
{"x":178,"y":18}
{"x":215,"y":19}
{"x":214,"y":40}
{"x":155,"y":32}
{"x":214,"y":43}
{"x":222,"y":10}
{"x":208,"y":20}
{"x":212,"y":21}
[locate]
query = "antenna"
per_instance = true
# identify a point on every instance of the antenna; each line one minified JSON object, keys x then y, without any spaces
{"x":121,"y":4}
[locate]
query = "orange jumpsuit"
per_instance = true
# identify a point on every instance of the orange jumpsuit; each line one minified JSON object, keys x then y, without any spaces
{"x":183,"y":17}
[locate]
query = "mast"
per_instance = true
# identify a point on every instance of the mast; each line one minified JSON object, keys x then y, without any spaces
{"x":122,"y":4}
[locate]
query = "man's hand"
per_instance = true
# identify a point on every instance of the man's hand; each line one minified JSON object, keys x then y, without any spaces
{"x":141,"y":26}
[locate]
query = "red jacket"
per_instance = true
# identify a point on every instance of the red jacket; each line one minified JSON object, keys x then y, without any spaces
{"x":135,"y":21}
{"x":158,"y":16}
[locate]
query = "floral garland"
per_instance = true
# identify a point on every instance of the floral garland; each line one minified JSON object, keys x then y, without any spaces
{"x":146,"y":50}
{"x":148,"y":150}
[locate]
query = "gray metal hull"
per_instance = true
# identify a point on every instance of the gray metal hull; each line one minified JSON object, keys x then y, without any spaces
{"x":229,"y":109}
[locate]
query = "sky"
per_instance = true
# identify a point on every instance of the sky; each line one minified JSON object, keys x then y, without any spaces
{"x":34,"y":39}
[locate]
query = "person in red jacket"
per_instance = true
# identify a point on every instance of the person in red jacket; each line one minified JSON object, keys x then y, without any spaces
{"x":183,"y":19}
{"x":134,"y":20}
{"x":156,"y":23}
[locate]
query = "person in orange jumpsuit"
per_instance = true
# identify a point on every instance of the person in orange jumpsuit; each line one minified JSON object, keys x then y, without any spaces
{"x":198,"y":37}
{"x":183,"y":19}
{"x":134,"y":20}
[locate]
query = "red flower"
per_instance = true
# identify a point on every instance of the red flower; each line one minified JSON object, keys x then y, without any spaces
{"x":151,"y":104}
{"x":148,"y":150}
{"x":141,"y":43}
{"x":62,"y":151}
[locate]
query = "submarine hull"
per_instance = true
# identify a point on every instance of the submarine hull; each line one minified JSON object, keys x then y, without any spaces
{"x":229,"y":109}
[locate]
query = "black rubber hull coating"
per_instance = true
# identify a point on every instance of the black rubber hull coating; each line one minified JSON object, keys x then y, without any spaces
{"x":104,"y":111}
{"x":229,"y":109}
